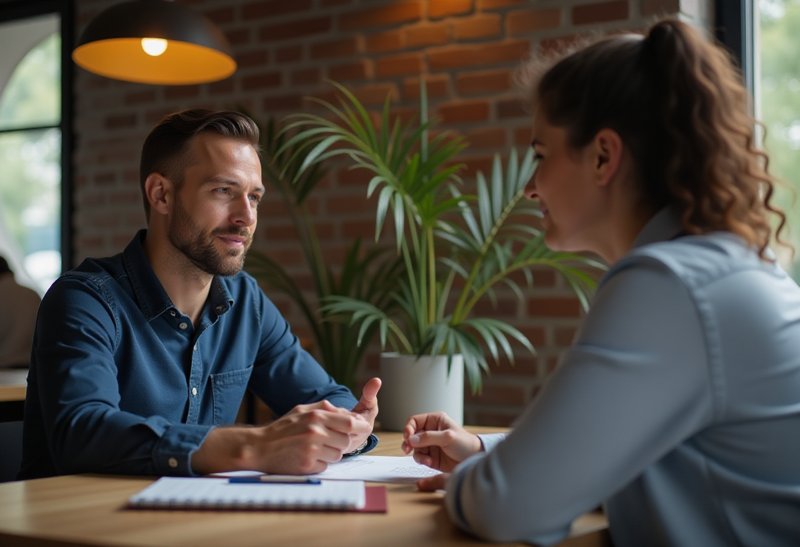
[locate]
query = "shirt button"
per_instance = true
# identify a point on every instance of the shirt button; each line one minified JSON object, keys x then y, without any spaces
{"x":194,"y":348}
{"x":173,"y":313}
{"x":173,"y":463}
{"x":194,"y":392}
{"x":219,"y":309}
{"x":183,"y":325}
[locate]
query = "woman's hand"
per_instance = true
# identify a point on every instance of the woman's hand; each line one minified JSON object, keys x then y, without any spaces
{"x":438,"y":442}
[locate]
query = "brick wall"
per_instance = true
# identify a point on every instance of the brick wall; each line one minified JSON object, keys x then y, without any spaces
{"x":466,"y":50}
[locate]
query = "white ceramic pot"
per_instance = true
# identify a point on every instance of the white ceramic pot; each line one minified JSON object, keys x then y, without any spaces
{"x":413,"y":386}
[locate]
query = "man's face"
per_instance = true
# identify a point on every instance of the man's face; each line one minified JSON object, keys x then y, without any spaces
{"x":215,"y":210}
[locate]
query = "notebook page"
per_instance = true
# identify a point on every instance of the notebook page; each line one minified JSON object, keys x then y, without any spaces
{"x":217,"y":493}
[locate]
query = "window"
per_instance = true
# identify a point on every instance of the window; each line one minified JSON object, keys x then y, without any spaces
{"x":777,"y":85}
{"x":34,"y":151}
{"x":763,"y":35}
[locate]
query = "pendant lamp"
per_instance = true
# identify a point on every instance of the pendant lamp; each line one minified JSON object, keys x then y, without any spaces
{"x":154,"y":42}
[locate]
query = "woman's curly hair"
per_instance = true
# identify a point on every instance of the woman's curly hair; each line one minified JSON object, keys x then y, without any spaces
{"x":678,"y":103}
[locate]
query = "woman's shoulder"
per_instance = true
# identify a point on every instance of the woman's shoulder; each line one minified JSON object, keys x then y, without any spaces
{"x":699,"y":259}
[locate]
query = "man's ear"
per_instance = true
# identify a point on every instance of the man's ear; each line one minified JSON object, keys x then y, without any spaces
{"x":158,"y":190}
{"x":608,"y":149}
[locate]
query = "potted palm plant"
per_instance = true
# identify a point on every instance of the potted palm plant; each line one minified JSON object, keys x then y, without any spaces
{"x":456,"y":248}
{"x":368,"y":273}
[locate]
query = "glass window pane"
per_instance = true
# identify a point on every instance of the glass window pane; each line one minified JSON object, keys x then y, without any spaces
{"x":30,"y":200}
{"x":778,"y":96}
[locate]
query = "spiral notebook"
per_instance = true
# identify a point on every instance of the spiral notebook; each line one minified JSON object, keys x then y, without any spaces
{"x":220,"y":493}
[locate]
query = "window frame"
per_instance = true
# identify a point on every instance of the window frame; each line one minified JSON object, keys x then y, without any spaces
{"x":12,"y":10}
{"x":734,"y":27}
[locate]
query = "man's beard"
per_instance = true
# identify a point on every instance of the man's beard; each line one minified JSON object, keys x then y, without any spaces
{"x":198,"y":246}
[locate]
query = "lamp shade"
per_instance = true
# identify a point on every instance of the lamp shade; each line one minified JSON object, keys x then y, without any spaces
{"x":185,"y":47}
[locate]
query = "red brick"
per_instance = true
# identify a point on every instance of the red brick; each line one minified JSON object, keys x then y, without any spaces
{"x":535,"y":335}
{"x":553,"y":307}
{"x":498,"y":4}
{"x":238,"y":36}
{"x":600,"y":13}
{"x":487,"y":137}
{"x":289,"y":54}
{"x":475,"y":164}
{"x":283,"y":102}
{"x":306,"y":76}
{"x":248,"y":59}
{"x":120,"y":121}
{"x":364,"y":229}
{"x":262,"y":80}
{"x":477,"y":55}
{"x":424,"y":35}
{"x":222,"y":87}
{"x":484,"y":83}
{"x":398,"y":65}
{"x":447,"y":8}
{"x":479,"y":26}
{"x":220,"y":15}
{"x":393,"y":13}
{"x":181,"y":92}
{"x":295,"y":29}
{"x":345,"y":47}
{"x":565,"y":336}
{"x":139,"y":97}
{"x":544,"y":277}
{"x":436,"y":86}
{"x":524,"y":22}
{"x":349,"y":71}
{"x":464,"y":111}
{"x":385,"y":41}
{"x":652,"y":8}
{"x":375,"y":94}
{"x":512,"y":108}
{"x":272,"y":8}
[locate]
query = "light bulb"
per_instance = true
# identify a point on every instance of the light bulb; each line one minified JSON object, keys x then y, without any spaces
{"x":154,"y":46}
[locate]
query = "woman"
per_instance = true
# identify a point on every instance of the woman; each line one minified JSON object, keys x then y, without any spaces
{"x":678,"y":406}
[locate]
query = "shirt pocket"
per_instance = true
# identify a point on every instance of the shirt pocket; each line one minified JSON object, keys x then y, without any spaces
{"x":227,"y":392}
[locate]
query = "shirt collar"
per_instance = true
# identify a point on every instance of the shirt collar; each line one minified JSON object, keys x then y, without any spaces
{"x":150,"y":294}
{"x":663,"y":226}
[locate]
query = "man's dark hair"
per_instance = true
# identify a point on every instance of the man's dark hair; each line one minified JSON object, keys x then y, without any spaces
{"x":164,"y":149}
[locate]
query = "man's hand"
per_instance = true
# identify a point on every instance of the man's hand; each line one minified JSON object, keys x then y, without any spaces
{"x":366,"y":408}
{"x":303,"y":441}
{"x":438,"y":442}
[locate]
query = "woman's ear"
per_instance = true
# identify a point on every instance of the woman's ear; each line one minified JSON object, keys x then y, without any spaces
{"x":158,"y":190}
{"x":608,"y":150}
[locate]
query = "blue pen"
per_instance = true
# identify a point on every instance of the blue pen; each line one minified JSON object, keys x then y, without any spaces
{"x":274,"y":479}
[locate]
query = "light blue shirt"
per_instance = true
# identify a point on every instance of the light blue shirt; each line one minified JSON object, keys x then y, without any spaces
{"x":678,"y":406}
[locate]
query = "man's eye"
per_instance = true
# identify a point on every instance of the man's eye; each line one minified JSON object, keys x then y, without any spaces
{"x":222,"y":190}
{"x":255,"y":198}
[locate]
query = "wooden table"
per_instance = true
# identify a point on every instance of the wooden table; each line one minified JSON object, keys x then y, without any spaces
{"x":13,"y":383}
{"x":89,"y":509}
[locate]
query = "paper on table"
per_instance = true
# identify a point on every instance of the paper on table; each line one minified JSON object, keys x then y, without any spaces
{"x":377,"y":469}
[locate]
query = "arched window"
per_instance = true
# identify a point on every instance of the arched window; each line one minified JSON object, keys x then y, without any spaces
{"x":33,"y":208}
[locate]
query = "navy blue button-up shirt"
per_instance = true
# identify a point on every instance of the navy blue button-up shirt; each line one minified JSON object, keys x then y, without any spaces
{"x":122,"y":382}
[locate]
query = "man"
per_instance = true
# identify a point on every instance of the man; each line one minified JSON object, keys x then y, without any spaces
{"x":141,"y":359}
{"x":20,"y":305}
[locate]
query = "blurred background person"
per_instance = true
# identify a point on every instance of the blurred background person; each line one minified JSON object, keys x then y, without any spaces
{"x":18,"y":320}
